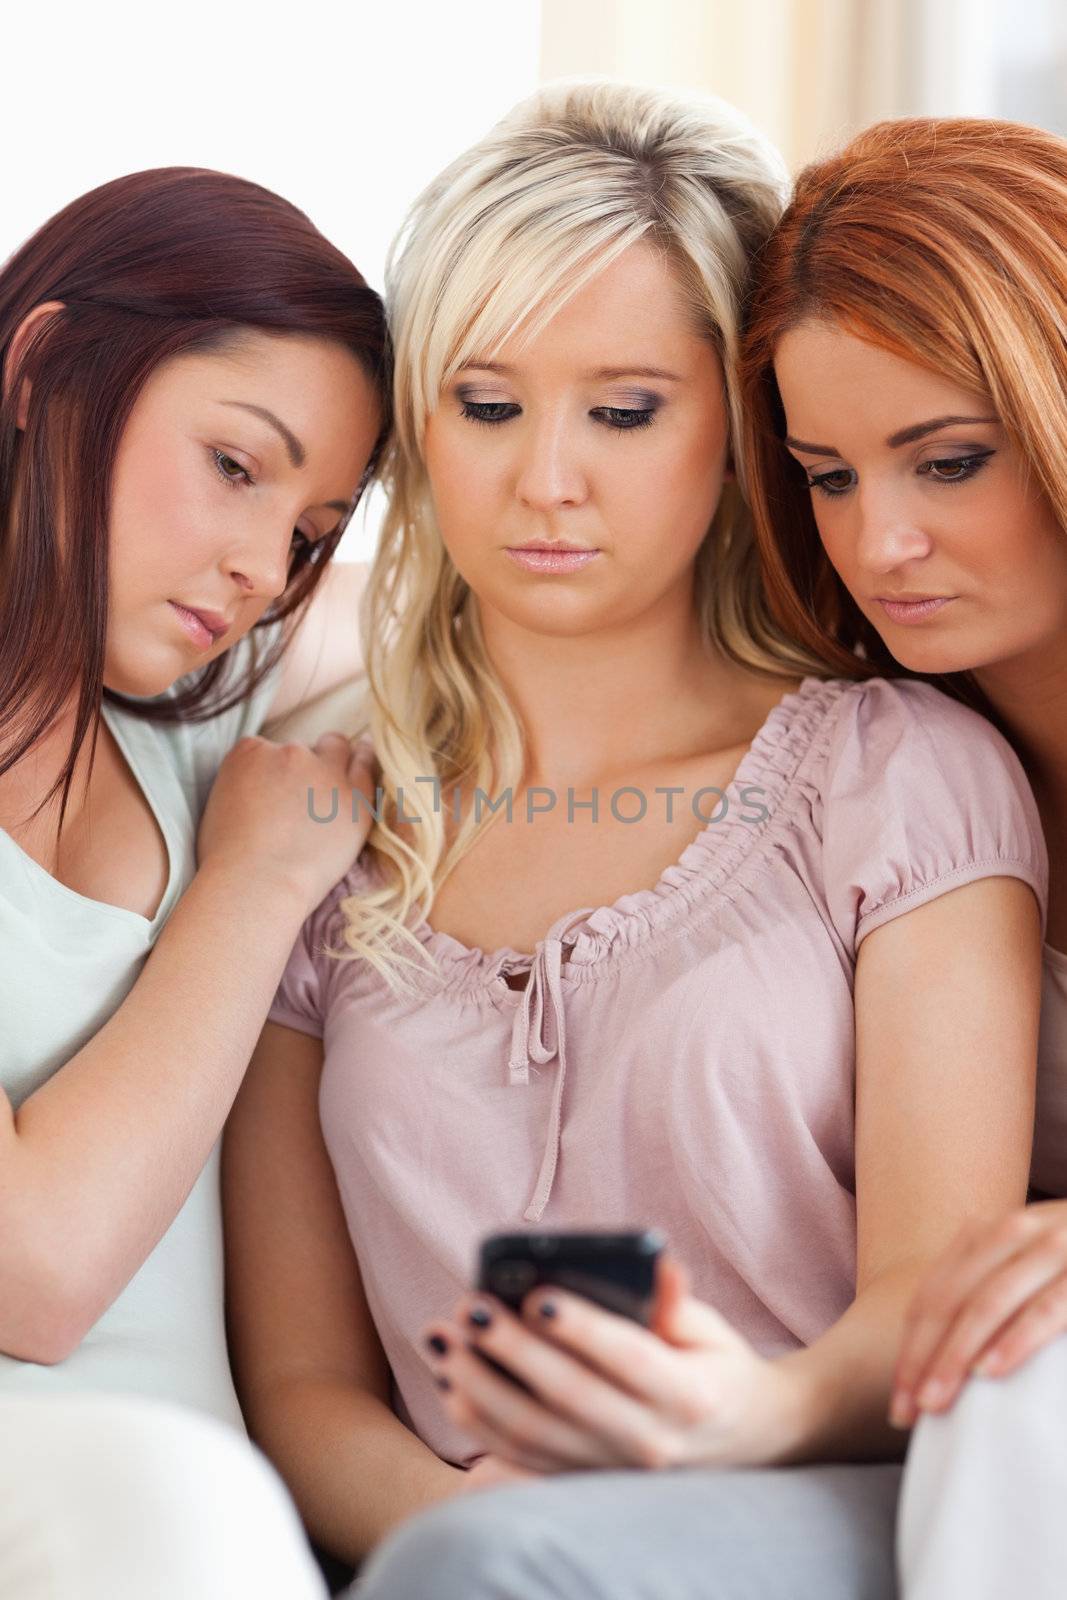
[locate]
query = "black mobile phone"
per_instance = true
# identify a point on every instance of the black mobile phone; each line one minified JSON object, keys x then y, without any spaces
{"x":616,"y":1270}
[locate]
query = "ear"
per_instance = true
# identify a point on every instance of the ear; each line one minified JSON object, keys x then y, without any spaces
{"x":21,"y":340}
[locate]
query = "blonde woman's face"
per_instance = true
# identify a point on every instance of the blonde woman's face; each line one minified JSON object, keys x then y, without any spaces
{"x":923,"y":505}
{"x":574,"y":478}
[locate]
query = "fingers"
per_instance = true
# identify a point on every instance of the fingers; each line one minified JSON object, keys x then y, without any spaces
{"x":615,"y":1381}
{"x":508,"y":1420}
{"x":362,"y":755}
{"x":1040,"y":1321}
{"x":355,"y":765}
{"x":684,"y":1321}
{"x":994,"y":1302}
{"x":363,"y":770}
{"x":672,"y":1287}
{"x":987,"y":1278}
{"x":635,"y":1359}
{"x":332,"y":746}
{"x":979,"y":1249}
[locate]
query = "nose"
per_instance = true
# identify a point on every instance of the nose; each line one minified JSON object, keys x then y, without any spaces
{"x":259,"y":564}
{"x":890,"y":536}
{"x":550,"y":474}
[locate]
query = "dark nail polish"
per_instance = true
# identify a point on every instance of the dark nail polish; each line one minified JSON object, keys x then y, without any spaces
{"x":438,"y":1345}
{"x":480,"y":1317}
{"x":548,"y":1308}
{"x":442,"y":1382}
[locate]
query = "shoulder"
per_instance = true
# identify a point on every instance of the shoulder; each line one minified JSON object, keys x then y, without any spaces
{"x":919,"y":795}
{"x":885,"y":727}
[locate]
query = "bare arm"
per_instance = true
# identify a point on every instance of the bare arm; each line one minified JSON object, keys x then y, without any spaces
{"x":947,"y":1004}
{"x":311,"y":1374}
{"x":95,"y":1165}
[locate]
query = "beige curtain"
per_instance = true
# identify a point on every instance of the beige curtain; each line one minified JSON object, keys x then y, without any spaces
{"x":807,"y":72}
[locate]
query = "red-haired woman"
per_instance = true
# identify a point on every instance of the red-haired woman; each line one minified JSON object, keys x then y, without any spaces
{"x":194,"y":390}
{"x":906,"y":391}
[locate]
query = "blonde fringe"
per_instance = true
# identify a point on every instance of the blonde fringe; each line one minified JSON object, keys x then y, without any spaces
{"x":494,"y":247}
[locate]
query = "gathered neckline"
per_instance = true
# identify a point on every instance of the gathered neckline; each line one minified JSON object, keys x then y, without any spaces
{"x":787,"y":735}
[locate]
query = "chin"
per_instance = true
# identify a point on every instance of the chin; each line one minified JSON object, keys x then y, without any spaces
{"x":933,"y":655}
{"x":143,"y":679}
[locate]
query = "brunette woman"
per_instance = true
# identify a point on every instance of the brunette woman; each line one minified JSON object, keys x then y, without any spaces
{"x":194,"y":389}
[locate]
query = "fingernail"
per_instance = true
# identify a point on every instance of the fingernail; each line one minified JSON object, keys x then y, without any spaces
{"x":901,"y":1410}
{"x":437,"y":1344}
{"x":548,"y":1308}
{"x":479,"y":1317}
{"x":932,"y":1394}
{"x":989,"y":1365}
{"x":442,"y":1382}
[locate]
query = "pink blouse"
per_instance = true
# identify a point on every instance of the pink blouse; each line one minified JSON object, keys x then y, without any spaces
{"x":691,"y":1065}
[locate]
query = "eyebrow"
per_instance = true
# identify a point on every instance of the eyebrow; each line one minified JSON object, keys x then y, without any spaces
{"x":598,"y":372}
{"x":919,"y":430}
{"x":293,"y":448}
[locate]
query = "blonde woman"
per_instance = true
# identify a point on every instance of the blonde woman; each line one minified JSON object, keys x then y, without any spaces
{"x":907,"y":401}
{"x":565,"y":615}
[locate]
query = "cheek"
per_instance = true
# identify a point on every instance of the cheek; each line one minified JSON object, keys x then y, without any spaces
{"x":465,"y":486}
{"x":674,"y":491}
{"x":837,"y":538}
{"x":165,"y":519}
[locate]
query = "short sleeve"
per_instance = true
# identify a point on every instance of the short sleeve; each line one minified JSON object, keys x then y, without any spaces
{"x":303,"y":993}
{"x":920,"y":795}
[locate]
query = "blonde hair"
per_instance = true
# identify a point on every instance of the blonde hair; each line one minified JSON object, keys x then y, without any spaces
{"x":493,"y":248}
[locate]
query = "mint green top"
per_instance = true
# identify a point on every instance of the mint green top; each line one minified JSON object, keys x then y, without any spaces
{"x":68,"y":964}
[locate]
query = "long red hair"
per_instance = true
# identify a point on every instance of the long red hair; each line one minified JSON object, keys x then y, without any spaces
{"x":944,"y":242}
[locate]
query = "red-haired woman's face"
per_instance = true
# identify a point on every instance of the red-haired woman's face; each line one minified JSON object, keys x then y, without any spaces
{"x":228,"y":460}
{"x":923,"y":505}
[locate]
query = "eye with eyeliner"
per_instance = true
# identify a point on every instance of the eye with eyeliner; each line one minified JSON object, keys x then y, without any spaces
{"x":621,"y":419}
{"x":935,"y":470}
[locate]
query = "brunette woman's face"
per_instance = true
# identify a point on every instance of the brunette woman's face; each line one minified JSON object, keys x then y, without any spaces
{"x":230,"y":461}
{"x":923,"y":505}
{"x":575,"y":475}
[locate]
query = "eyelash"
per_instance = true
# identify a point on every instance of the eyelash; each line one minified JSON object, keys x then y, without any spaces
{"x":623,"y":419}
{"x":972,"y":465}
{"x":219,"y":456}
{"x":306,"y":547}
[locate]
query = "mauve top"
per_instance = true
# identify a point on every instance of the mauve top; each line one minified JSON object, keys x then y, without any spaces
{"x":691,"y":1065}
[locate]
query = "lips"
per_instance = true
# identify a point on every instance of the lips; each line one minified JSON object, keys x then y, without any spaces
{"x":205,"y":627}
{"x":914,"y":608}
{"x":556,"y":546}
{"x":552,"y":558}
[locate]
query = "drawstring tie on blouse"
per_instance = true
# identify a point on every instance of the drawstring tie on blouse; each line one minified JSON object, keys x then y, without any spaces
{"x":538,"y":1036}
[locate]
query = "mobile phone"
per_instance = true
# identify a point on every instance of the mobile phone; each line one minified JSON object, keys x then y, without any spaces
{"x":615,"y":1270}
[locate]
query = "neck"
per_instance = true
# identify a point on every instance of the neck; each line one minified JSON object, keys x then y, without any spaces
{"x":613,"y":700}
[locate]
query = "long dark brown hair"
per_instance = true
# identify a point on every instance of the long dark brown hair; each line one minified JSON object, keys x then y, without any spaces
{"x":942,"y":241}
{"x":151,"y":265}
